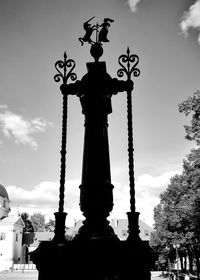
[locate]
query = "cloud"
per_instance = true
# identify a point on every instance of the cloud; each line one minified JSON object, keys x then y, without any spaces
{"x":133,"y":5}
{"x":155,"y":181}
{"x":45,"y":196}
{"x":191,"y":19}
{"x":20,"y":129}
{"x":147,"y":189}
{"x":3,"y":106}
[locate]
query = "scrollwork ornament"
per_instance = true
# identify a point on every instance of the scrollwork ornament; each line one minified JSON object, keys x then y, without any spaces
{"x":61,"y":67}
{"x":128,"y":65}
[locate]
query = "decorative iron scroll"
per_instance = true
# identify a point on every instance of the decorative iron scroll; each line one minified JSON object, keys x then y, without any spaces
{"x":125,"y":61}
{"x":63,"y":75}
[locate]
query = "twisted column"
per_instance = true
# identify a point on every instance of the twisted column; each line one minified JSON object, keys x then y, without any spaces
{"x":63,"y":155}
{"x":130,"y":152}
{"x":128,"y":65}
{"x":60,"y":216}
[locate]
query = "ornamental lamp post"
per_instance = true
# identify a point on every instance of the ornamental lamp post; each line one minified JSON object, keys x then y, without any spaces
{"x":95,"y":90}
{"x":168,"y":260}
{"x":64,"y":76}
{"x":128,"y":65}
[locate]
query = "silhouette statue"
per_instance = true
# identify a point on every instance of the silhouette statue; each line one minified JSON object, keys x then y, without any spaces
{"x":101,"y":36}
{"x":89,"y":30}
{"x":104,"y":30}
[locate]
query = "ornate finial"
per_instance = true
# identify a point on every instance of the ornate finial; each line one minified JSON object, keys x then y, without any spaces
{"x":63,"y":75}
{"x":128,"y":69}
{"x":88,"y":32}
{"x":104,"y":30}
{"x":101,"y":36}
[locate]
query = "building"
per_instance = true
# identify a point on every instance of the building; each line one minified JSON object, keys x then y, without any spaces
{"x":15,"y":245}
{"x":120,"y":227}
{"x":11,"y":231}
{"x":4,"y":203}
{"x":31,"y":241}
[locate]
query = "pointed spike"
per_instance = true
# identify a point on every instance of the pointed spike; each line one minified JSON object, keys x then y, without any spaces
{"x":128,"y":50}
{"x":65,"y":55}
{"x":90,"y":19}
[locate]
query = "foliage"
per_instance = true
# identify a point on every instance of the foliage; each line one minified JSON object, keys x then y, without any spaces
{"x":38,"y":221}
{"x":177,"y":215}
{"x":192,"y":105}
{"x":28,"y":225}
{"x":50,"y":225}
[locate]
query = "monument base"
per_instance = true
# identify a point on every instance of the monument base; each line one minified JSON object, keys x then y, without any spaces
{"x":93,"y":260}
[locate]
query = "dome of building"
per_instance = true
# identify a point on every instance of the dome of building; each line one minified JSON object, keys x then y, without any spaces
{"x":4,"y":202}
{"x":3,"y":192}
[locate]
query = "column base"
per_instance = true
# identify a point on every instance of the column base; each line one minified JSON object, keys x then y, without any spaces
{"x":133,"y":227}
{"x":92,"y":260}
{"x":59,"y":231}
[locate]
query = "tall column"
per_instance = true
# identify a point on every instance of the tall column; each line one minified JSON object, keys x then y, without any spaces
{"x":96,"y":190}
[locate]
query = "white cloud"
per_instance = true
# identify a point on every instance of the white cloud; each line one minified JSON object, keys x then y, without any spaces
{"x":3,"y":106}
{"x":43,"y":194}
{"x":147,"y":189}
{"x":191,"y":19}
{"x":150,"y":181}
{"x":133,"y":4}
{"x":44,"y":197}
{"x":20,"y":129}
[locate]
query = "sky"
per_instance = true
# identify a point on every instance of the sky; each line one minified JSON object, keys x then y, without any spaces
{"x":33,"y":36}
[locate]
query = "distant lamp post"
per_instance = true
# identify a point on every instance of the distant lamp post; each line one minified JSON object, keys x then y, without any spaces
{"x":197,"y":259}
{"x":168,"y":260}
{"x":176,"y":246}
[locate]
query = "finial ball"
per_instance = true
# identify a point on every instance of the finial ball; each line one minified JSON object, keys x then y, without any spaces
{"x":96,"y":51}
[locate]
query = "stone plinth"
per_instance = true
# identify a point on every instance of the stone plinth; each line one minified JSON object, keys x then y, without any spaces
{"x":93,"y":260}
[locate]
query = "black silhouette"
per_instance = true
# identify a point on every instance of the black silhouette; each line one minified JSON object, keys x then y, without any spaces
{"x":95,"y":252}
{"x":101,"y":36}
{"x":89,"y":30}
{"x":104,"y":30}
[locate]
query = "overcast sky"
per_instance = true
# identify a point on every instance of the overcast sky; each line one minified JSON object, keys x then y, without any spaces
{"x":33,"y":36}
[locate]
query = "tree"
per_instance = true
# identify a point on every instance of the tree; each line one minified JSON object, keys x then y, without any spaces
{"x":177,"y":215}
{"x":50,"y":225}
{"x":38,"y":221}
{"x":28,"y":225}
{"x":192,"y":105}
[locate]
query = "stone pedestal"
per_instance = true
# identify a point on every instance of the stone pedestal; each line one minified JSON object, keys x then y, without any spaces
{"x":93,"y":260}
